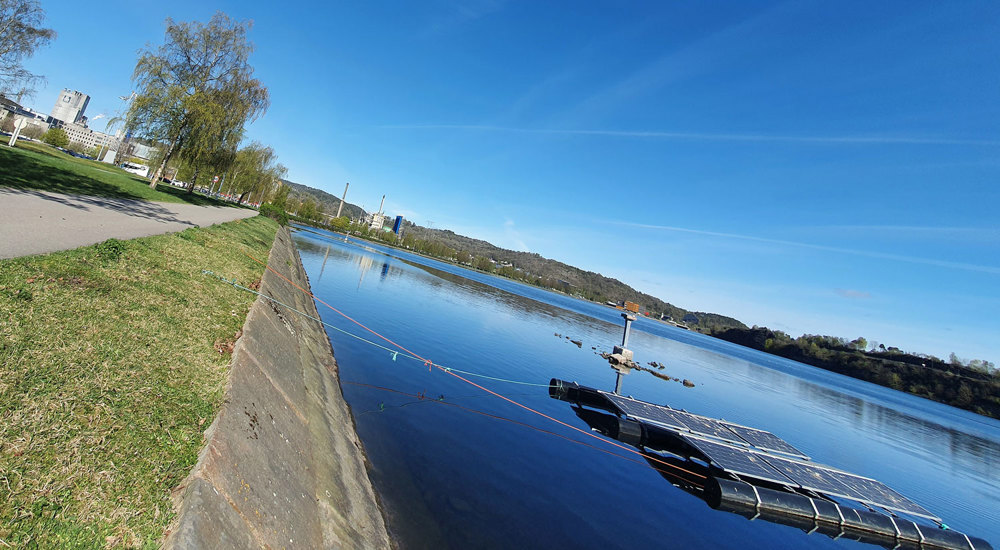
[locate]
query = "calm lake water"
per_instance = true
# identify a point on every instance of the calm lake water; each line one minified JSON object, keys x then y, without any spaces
{"x":452,"y":476}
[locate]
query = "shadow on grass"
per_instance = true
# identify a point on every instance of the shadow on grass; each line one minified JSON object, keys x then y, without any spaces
{"x":47,"y":169}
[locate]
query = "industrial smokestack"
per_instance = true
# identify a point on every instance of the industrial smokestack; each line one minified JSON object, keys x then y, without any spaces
{"x":381,"y":205}
{"x":341,"y":207}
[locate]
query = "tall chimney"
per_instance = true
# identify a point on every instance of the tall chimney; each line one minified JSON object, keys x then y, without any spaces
{"x":381,"y":205}
{"x":341,"y":207}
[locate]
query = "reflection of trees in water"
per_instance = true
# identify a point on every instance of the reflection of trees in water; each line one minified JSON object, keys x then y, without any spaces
{"x":767,"y":377}
{"x":442,"y":281}
{"x":334,"y":251}
{"x":977,"y":453}
{"x":523,"y":304}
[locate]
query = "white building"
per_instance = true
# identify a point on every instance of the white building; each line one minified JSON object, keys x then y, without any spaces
{"x":376,"y":221}
{"x":78,"y":133}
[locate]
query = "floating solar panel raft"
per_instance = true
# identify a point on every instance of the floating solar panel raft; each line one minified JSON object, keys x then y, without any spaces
{"x":755,"y":473}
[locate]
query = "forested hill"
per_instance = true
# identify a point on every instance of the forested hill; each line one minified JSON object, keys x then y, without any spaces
{"x":524,"y":266}
{"x":325,"y":202}
{"x":590,"y":285}
{"x":973,"y":385}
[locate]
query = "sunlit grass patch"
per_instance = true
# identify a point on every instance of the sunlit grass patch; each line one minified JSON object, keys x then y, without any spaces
{"x":109,"y":374}
{"x":38,"y":166}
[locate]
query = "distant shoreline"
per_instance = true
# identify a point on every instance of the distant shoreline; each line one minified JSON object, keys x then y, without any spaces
{"x":922,"y":376}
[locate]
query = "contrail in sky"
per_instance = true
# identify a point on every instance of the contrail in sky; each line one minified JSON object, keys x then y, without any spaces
{"x":879,"y":255}
{"x":695,"y":136}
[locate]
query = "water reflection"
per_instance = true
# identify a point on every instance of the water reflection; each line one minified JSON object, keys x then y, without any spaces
{"x":450,"y":478}
{"x":977,"y":454}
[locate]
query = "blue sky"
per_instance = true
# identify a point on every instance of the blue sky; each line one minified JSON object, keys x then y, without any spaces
{"x":813,"y":167}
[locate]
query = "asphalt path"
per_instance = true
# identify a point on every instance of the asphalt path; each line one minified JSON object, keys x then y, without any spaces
{"x":39,"y":222}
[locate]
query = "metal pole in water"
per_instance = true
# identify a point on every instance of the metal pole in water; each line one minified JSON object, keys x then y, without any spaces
{"x":628,"y":325}
{"x":622,"y":356}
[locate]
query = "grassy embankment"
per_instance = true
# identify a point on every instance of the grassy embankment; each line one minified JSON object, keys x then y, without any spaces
{"x":110,"y":370}
{"x":37,"y":166}
{"x":110,"y":366}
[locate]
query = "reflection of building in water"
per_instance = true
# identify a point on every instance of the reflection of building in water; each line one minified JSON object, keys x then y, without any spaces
{"x":385,"y":270}
{"x":364,"y":264}
{"x":325,"y":256}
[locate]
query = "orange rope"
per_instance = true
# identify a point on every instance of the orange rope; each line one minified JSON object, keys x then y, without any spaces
{"x":346,"y":316}
{"x":431,"y":365}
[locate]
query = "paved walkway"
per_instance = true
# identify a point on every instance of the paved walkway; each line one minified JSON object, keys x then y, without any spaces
{"x":39,"y":222}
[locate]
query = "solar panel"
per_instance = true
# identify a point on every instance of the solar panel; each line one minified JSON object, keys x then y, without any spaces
{"x":880,"y":494}
{"x":724,"y":445}
{"x":737,"y":460}
{"x":824,"y":479}
{"x":710,"y":426}
{"x":765,"y":440}
{"x":648,"y":411}
{"x":701,"y":425}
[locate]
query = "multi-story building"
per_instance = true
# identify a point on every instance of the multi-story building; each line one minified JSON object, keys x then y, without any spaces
{"x":78,"y":133}
{"x":69,"y":108}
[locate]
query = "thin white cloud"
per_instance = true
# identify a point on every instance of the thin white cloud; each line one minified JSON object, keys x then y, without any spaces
{"x":915,"y":230}
{"x":461,"y":13}
{"x":852,"y":294}
{"x":869,"y":254}
{"x":702,"y":136}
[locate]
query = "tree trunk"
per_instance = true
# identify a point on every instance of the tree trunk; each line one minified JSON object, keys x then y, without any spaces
{"x":166,"y":159}
{"x":194,"y":181}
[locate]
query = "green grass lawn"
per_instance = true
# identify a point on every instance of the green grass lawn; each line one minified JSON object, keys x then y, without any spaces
{"x":31,"y":165}
{"x":110,"y":371}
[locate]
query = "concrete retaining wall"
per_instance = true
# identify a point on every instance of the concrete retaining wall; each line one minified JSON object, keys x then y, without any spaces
{"x":283,"y":466}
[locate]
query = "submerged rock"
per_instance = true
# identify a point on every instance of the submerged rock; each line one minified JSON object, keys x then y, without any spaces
{"x":687,"y":383}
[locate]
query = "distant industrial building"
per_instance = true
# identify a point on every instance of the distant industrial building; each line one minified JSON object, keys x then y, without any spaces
{"x":69,"y":113}
{"x":378,"y":219}
{"x":69,"y":108}
{"x":397,"y":227}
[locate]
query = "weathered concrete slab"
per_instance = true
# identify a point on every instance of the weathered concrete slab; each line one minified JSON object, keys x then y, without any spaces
{"x":283,"y":466}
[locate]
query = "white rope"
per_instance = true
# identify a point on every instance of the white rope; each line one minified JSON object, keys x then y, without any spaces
{"x":896,"y":527}
{"x":756,"y":506}
{"x":842,"y":521}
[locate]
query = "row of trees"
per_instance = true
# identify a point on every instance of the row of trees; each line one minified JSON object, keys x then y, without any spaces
{"x":973,"y":385}
{"x":195,"y":95}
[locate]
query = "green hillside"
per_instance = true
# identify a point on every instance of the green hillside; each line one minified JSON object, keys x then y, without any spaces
{"x":326,"y":202}
{"x":526,"y":266}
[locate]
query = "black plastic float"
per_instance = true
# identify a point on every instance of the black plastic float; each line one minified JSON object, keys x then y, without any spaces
{"x":789,"y":488}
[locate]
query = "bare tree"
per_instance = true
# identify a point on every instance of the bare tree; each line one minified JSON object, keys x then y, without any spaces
{"x":21,"y":34}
